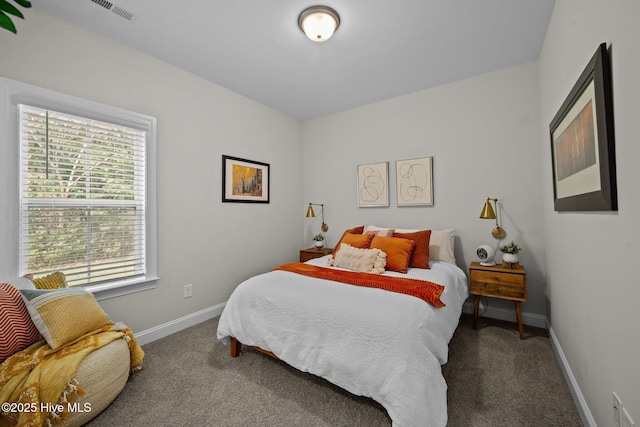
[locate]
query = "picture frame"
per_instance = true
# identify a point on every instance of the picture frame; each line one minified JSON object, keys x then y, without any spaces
{"x":245,"y":181}
{"x":414,"y":182}
{"x":373,"y":185}
{"x":582,"y":142}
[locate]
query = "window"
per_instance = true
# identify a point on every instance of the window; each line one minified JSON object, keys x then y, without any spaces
{"x":82,"y":197}
{"x":85,"y":191}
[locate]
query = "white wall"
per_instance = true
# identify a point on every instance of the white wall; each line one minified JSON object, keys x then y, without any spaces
{"x":591,"y":257}
{"x":200,"y":240}
{"x":484,"y":139}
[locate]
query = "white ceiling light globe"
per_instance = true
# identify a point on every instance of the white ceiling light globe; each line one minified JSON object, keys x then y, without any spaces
{"x":319,"y":23}
{"x":319,"y":26}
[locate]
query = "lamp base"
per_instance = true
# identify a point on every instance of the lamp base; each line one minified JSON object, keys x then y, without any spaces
{"x":488,"y":263}
{"x":498,"y":233}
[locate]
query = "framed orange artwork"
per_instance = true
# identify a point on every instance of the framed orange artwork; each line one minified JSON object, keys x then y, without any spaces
{"x":582,"y":142}
{"x":244,"y":181}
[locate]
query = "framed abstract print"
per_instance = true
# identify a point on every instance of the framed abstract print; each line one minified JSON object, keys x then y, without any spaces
{"x":414,"y":182}
{"x":373,"y":185}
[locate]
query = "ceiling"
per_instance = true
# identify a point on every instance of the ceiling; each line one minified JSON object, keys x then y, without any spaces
{"x":383,"y":48}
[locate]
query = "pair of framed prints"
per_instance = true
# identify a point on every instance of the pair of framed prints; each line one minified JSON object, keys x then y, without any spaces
{"x":414,"y":183}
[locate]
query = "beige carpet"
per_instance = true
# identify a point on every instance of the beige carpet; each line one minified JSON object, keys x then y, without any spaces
{"x":494,"y":378}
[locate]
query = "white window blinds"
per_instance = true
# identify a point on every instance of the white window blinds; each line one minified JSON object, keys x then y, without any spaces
{"x":82,"y":197}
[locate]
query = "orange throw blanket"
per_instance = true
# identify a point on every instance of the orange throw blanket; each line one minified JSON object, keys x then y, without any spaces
{"x":425,"y":290}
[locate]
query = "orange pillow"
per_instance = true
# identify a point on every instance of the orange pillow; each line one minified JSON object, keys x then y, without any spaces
{"x":354,"y":230}
{"x":398,"y":252}
{"x":361,"y":241}
{"x":420,"y":255}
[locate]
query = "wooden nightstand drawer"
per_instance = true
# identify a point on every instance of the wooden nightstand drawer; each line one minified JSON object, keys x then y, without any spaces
{"x":501,"y":290}
{"x":497,"y":277}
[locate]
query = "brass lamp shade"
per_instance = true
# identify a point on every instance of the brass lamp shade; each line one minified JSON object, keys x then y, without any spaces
{"x":312,"y":214}
{"x":489,"y":213}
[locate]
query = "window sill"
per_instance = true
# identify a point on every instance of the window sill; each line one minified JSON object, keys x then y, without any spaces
{"x":125,"y":287}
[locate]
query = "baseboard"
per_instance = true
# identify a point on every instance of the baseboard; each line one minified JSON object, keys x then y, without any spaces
{"x":530,"y":319}
{"x":177,"y":325}
{"x":578,"y":397}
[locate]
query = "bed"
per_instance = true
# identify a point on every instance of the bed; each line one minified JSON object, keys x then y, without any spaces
{"x":372,"y":342}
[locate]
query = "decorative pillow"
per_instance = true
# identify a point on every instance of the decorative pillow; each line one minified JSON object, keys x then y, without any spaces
{"x":354,"y":230}
{"x":62,"y":315}
{"x":55,"y":280}
{"x":356,"y":259}
{"x":361,"y":241}
{"x":398,"y":252}
{"x":378,"y":231}
{"x":24,"y":282}
{"x":420,"y":255}
{"x":441,"y":245}
{"x":17,"y":330}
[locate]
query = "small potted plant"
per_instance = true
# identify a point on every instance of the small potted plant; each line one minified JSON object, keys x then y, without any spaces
{"x":510,"y":252}
{"x":319,"y":240}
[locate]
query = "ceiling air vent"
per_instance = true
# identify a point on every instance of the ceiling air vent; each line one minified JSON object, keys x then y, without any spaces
{"x":123,"y":13}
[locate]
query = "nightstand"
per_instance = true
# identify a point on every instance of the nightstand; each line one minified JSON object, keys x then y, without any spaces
{"x":498,"y":282}
{"x":311,"y":253}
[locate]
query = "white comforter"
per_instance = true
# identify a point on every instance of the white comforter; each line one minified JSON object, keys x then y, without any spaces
{"x":371,"y":342}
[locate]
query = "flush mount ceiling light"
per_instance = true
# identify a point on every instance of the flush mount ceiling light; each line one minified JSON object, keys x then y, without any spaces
{"x":319,"y":22}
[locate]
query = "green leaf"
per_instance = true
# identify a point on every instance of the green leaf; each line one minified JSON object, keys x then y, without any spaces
{"x":23,"y":3}
{"x":7,"y":7}
{"x":6,"y":23}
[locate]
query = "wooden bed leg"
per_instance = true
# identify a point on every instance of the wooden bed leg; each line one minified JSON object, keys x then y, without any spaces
{"x":235,"y":347}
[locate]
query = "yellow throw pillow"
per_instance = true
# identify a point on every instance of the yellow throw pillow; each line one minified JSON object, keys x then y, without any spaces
{"x":55,"y":280}
{"x":63,"y":315}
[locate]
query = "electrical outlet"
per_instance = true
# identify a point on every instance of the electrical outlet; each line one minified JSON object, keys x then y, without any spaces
{"x":626,"y":419}
{"x":188,"y":290}
{"x":617,"y":411}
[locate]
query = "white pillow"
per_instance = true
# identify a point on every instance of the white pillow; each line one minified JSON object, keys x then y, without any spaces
{"x":378,"y":231}
{"x":441,"y":245}
{"x":356,"y":259}
{"x":408,"y":230}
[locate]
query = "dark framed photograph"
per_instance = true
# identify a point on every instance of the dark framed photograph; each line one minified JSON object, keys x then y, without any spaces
{"x":244,"y":181}
{"x":582,"y":142}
